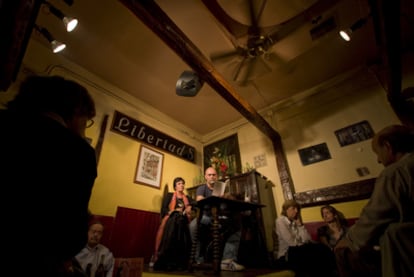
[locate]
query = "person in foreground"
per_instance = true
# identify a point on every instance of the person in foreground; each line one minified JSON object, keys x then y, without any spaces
{"x":96,"y":259}
{"x":388,"y":218}
{"x":296,"y":251}
{"x":335,"y":228}
{"x":173,"y":240}
{"x":47,"y":170}
{"x":231,"y":247}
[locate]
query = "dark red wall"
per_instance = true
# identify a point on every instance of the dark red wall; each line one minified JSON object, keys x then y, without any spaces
{"x":131,"y":233}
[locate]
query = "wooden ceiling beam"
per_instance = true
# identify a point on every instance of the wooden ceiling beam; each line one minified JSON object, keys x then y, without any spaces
{"x":157,"y":21}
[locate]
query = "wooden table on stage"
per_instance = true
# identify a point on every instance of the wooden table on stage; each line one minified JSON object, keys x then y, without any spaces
{"x":217,"y":205}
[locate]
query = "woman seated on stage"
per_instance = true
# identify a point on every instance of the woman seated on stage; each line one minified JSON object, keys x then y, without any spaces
{"x":173,"y":240}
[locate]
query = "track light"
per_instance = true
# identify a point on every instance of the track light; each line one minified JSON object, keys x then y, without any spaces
{"x":57,"y":46}
{"x":70,"y":22}
{"x":346,"y":34}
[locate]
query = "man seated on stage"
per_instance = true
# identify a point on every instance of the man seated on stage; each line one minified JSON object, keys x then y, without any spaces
{"x":231,"y":247}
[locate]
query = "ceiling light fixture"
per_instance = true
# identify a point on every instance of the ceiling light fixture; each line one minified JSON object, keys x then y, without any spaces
{"x":70,"y":22}
{"x":346,"y":34}
{"x":188,"y":84}
{"x":57,"y":46}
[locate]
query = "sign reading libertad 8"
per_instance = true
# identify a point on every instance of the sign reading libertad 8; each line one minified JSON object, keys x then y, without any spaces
{"x":136,"y":130}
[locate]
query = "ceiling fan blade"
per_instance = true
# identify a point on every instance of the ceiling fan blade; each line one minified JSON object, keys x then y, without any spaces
{"x":239,"y":68}
{"x":248,"y":71}
{"x":279,"y":63}
{"x":251,"y":69}
{"x":225,"y":56}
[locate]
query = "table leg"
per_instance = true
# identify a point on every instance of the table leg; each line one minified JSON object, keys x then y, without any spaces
{"x":216,"y":240}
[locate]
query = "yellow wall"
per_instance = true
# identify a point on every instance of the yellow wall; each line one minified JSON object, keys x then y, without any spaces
{"x":115,"y":185}
{"x":304,"y":121}
{"x":312,"y":118}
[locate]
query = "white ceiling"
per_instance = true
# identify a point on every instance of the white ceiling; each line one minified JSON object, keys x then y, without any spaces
{"x":116,"y":46}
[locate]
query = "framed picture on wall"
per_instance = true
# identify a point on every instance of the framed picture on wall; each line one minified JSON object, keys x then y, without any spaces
{"x":354,"y":133}
{"x":314,"y":154}
{"x":224,"y":156}
{"x":149,"y":168}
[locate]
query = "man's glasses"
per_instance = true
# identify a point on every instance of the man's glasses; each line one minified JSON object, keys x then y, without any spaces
{"x":89,"y":123}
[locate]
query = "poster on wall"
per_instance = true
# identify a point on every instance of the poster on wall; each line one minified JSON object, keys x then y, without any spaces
{"x":354,"y":133}
{"x":224,"y":156}
{"x":149,"y":168}
{"x":314,"y":154}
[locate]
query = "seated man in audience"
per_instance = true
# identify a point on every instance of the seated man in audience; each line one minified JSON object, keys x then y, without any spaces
{"x":96,"y":259}
{"x":231,"y":247}
{"x":387,"y":220}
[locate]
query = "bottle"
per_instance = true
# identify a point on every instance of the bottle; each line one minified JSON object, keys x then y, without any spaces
{"x":100,"y":271}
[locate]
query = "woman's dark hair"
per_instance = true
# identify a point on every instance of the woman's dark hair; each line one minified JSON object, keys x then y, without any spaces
{"x":42,"y":94}
{"x":176,"y":180}
{"x":339,"y":216}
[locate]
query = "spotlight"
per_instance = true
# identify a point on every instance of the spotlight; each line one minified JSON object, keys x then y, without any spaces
{"x":57,"y":46}
{"x":346,"y":34}
{"x":70,"y":22}
{"x":188,"y":84}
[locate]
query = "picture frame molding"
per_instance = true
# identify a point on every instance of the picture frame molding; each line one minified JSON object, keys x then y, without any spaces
{"x":145,"y":173}
{"x":231,"y":144}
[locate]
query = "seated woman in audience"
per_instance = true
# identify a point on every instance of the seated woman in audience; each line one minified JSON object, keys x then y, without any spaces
{"x":335,"y":228}
{"x":296,"y":251}
{"x":173,"y":241}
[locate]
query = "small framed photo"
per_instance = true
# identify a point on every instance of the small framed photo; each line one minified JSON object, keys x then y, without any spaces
{"x":314,"y":154}
{"x":149,"y":168}
{"x":354,"y":133}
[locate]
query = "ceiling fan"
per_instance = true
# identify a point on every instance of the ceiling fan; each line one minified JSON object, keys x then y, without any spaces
{"x":252,"y":56}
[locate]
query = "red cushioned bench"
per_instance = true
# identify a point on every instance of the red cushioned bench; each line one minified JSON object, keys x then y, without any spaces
{"x":313,"y":226}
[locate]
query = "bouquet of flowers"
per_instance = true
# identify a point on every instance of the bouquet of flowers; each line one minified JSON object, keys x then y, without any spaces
{"x":218,"y":161}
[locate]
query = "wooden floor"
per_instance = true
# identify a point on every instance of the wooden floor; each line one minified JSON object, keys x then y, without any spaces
{"x":248,"y":272}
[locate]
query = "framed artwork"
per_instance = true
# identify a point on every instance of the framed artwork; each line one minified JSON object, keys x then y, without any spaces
{"x":224,"y":156}
{"x":314,"y":154}
{"x":149,"y":168}
{"x":354,"y":133}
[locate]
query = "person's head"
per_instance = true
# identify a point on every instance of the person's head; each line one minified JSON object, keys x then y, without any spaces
{"x":291,"y":209}
{"x":330,"y":214}
{"x":95,"y":233}
{"x":392,"y":142}
{"x":179,"y":184}
{"x":210,"y":175}
{"x":56,"y":96}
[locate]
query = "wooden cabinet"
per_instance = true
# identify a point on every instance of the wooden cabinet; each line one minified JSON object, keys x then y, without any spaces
{"x":256,"y":187}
